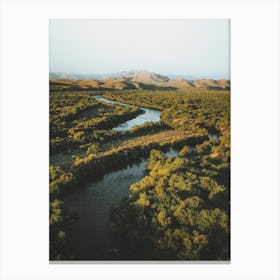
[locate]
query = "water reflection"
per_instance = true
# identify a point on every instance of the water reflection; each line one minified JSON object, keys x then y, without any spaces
{"x":91,"y":236}
{"x":149,"y":115}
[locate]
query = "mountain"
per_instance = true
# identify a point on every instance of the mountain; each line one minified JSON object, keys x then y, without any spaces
{"x":145,"y":77}
{"x":107,"y":84}
{"x":132,"y":81}
{"x":212,"y":84}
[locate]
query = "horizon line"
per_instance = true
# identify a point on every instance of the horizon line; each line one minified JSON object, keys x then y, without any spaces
{"x":216,"y":76}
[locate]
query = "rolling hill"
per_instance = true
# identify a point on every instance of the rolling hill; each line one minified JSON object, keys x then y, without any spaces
{"x":134,"y":81}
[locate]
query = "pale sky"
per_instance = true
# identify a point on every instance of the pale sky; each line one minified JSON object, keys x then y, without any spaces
{"x":195,"y":47}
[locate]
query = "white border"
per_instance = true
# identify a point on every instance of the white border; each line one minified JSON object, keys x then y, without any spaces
{"x":255,"y":138}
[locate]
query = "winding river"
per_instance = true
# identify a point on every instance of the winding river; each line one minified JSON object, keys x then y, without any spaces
{"x":149,"y":115}
{"x":91,"y":235}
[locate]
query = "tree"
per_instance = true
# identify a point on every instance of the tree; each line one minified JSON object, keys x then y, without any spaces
{"x":92,"y":149}
{"x":184,"y":151}
{"x":79,"y":136}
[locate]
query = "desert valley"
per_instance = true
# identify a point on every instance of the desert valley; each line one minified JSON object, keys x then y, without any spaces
{"x":139,"y":167}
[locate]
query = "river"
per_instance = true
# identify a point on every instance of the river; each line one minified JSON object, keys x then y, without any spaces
{"x":91,"y":235}
{"x":149,"y":115}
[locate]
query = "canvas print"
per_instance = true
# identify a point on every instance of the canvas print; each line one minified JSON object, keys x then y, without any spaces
{"x":139,"y":140}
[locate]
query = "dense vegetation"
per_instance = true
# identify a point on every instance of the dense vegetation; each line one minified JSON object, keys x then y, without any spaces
{"x":180,"y":210}
{"x":193,"y":111}
{"x":77,"y":119}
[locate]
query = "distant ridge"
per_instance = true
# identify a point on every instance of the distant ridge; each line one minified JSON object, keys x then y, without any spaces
{"x":145,"y":77}
{"x":74,"y":76}
{"x":130,"y":80}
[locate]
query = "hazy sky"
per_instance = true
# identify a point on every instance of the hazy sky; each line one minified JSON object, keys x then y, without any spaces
{"x":189,"y":47}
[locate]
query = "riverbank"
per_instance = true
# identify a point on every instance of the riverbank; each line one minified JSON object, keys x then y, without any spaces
{"x":93,"y":204}
{"x":80,"y":167}
{"x":95,"y":165}
{"x":96,"y":174}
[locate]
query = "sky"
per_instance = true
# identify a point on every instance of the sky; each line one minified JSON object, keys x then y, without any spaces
{"x":194,"y":47}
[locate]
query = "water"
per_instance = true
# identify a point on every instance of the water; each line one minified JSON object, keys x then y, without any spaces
{"x":91,"y":236}
{"x":213,"y":137}
{"x":149,"y":115}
